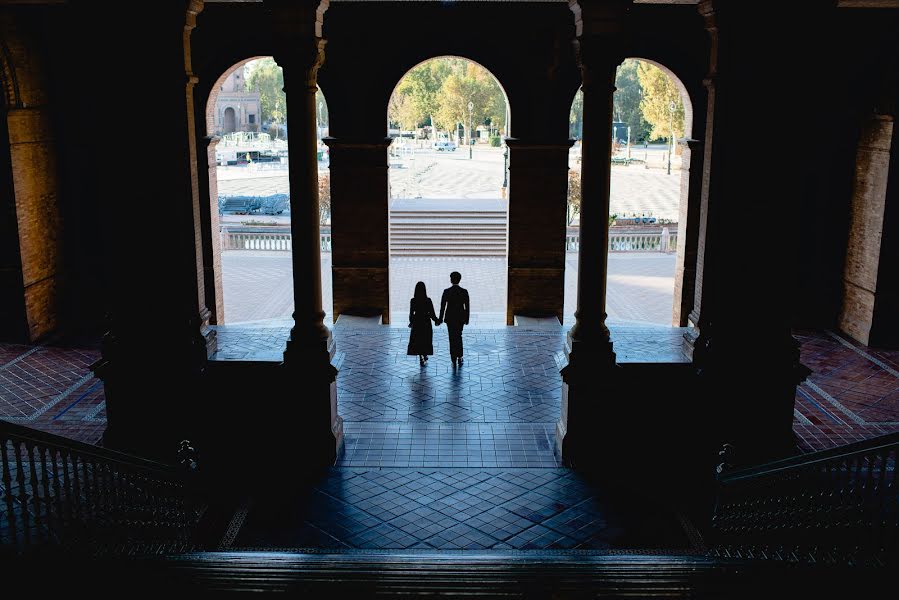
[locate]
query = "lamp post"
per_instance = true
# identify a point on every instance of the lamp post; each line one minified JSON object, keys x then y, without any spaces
{"x":505,"y":170}
{"x":671,"y":107}
{"x":319,"y":119}
{"x":470,"y":108}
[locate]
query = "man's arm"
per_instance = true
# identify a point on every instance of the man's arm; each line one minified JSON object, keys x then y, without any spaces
{"x":466,"y":307}
{"x":442,"y":306}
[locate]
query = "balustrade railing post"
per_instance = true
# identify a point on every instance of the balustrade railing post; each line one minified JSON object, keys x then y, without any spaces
{"x":23,"y":493}
{"x":35,"y":488}
{"x":7,"y":483}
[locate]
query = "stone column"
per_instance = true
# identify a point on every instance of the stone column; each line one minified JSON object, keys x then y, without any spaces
{"x":687,"y":231}
{"x":590,"y":377}
{"x":158,"y":332}
{"x":866,"y":279}
{"x":745,"y":357}
{"x":538,"y":174}
{"x":359,"y":227}
{"x":311,"y":425}
{"x":212,"y":239}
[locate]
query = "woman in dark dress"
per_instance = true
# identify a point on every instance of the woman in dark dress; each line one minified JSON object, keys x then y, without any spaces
{"x":421,"y":313}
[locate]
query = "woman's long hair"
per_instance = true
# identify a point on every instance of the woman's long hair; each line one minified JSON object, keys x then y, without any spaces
{"x":420,"y":291}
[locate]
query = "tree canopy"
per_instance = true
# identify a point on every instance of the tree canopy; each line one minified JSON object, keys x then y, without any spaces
{"x":659,"y":96}
{"x":267,"y":78}
{"x":438,"y":91}
{"x":641,"y":99}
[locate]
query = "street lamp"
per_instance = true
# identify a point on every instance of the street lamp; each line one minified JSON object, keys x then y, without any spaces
{"x":505,"y":170}
{"x":671,"y":107}
{"x":319,"y":119}
{"x":470,"y":108}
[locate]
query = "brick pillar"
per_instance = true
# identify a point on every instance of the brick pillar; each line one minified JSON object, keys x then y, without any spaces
{"x":590,"y":378}
{"x":13,"y":323}
{"x":37,"y":222}
{"x":310,"y":424}
{"x":359,"y":227}
{"x":538,"y":174}
{"x":866,"y":278}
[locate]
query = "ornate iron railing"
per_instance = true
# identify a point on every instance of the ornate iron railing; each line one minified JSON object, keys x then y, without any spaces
{"x":839,"y":506}
{"x":58,"y":492}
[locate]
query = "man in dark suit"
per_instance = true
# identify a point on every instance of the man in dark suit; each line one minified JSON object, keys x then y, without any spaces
{"x":454,"y":310}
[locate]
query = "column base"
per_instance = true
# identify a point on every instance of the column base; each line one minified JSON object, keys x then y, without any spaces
{"x":590,"y":382}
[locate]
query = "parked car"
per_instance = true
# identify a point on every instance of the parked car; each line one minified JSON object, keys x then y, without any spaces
{"x":444,"y":145}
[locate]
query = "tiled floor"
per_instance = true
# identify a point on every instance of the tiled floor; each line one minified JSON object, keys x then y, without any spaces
{"x":454,"y":509}
{"x":851,"y":395}
{"x":51,"y":388}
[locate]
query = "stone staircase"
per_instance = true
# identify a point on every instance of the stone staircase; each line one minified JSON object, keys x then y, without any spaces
{"x":458,"y":233}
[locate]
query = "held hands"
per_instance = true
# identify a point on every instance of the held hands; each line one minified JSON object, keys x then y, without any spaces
{"x":438,"y":322}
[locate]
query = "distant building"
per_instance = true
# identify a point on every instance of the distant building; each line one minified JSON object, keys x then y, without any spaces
{"x":236,"y":109}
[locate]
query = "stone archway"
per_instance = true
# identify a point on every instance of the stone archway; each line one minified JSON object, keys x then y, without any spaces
{"x":673,"y":220}
{"x":229,"y":121}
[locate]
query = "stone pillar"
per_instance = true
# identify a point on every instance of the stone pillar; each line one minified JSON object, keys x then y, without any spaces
{"x":157,"y":318}
{"x":688,"y":231}
{"x":538,"y":174}
{"x":211,"y":226}
{"x":590,"y":378}
{"x":311,"y":425}
{"x":360,"y":209}
{"x":866,"y":281}
{"x":743,"y":351}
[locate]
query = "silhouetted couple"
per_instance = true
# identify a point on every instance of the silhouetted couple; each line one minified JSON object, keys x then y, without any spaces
{"x":454,"y":310}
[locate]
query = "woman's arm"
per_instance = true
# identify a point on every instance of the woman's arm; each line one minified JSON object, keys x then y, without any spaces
{"x":431,"y":312}
{"x":411,"y":311}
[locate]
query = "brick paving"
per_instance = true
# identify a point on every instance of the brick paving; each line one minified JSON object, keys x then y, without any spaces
{"x":51,"y":388}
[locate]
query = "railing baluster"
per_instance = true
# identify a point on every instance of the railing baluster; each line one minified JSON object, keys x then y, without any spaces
{"x":35,"y":489}
{"x":59,"y":518}
{"x":23,"y":493}
{"x":45,"y":485}
{"x":8,"y":492}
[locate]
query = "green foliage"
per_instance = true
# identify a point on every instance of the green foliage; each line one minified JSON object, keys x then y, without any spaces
{"x":267,"y":78}
{"x":574,"y":194}
{"x":324,"y":196}
{"x":496,"y":141}
{"x":438,"y":92}
{"x":628,"y":94}
{"x":576,"y":117}
{"x":659,"y":92}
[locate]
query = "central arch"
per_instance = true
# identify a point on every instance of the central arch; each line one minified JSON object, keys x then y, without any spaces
{"x":447,"y":119}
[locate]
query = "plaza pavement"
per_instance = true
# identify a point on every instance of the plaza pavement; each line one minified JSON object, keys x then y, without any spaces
{"x":258,"y":286}
{"x":434,"y":175}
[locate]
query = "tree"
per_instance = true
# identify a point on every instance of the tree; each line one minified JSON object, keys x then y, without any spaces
{"x":574,"y":194}
{"x":628,"y":94}
{"x":576,"y":117}
{"x":470,"y":83}
{"x":402,"y":111}
{"x":266,"y":77}
{"x":324,"y":196}
{"x":658,"y":92}
{"x":438,"y":92}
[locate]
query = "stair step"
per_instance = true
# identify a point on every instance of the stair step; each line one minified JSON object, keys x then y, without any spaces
{"x":532,"y":575}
